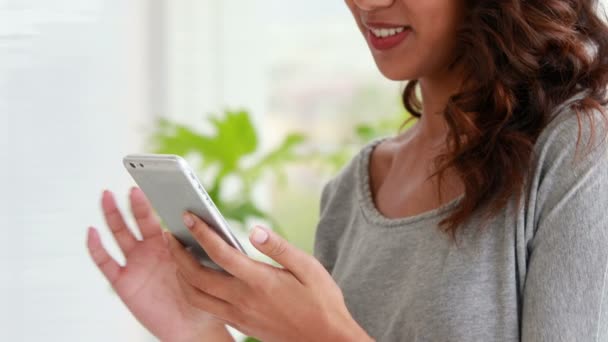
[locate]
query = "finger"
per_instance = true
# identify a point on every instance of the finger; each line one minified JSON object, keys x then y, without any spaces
{"x":215,"y":283}
{"x":108,"y":266}
{"x":226,"y":256}
{"x":216,"y":307}
{"x":303,"y":266}
{"x":124,"y":237}
{"x":147,"y":221}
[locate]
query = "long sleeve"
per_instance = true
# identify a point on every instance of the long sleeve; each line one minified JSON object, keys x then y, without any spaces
{"x":565,"y":293}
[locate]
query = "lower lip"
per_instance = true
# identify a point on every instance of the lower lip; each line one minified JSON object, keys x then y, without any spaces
{"x":388,"y":42}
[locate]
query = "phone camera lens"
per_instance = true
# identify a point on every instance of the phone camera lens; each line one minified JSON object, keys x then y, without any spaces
{"x":132,"y":165}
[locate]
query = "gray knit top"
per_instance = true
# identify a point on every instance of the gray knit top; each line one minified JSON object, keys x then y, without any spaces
{"x":537,"y":273}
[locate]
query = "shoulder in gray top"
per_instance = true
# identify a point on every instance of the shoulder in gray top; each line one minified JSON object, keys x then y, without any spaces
{"x":536,"y":274}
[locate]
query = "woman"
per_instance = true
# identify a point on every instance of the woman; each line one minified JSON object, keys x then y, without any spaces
{"x":486,"y":221}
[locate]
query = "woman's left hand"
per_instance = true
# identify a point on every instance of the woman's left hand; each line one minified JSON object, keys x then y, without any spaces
{"x":299,"y":302}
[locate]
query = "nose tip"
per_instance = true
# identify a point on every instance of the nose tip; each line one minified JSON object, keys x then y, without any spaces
{"x":370,"y":5}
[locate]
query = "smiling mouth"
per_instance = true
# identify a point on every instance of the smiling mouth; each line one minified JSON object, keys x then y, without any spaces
{"x":387,"y":38}
{"x":387,"y":32}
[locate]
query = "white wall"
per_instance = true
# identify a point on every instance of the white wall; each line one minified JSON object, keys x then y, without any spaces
{"x":73,"y":100}
{"x":80,"y":83}
{"x":215,"y":58}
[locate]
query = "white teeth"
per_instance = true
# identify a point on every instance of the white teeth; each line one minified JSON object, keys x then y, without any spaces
{"x":383,"y":33}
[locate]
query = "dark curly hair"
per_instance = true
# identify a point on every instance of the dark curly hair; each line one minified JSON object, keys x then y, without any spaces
{"x":522,"y":59}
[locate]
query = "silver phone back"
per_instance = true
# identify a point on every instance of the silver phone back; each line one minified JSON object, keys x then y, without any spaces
{"x":172,"y":188}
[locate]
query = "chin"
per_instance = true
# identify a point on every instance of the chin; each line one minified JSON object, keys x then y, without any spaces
{"x":397,"y":76}
{"x":396,"y":72}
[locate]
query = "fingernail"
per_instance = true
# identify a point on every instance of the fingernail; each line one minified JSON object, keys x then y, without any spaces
{"x":259,"y":235}
{"x":188,"y":220}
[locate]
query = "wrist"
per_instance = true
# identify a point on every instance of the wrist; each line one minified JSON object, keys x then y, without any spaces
{"x":350,"y":332}
{"x":356,"y":333}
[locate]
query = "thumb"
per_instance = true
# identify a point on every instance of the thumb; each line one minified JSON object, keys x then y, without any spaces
{"x":278,"y":249}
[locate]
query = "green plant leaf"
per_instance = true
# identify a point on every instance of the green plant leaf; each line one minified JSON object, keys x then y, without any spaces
{"x":172,"y":138}
{"x":240,"y":212}
{"x":365,"y":132}
{"x":234,"y":138}
{"x":251,"y":339}
{"x":276,"y":159}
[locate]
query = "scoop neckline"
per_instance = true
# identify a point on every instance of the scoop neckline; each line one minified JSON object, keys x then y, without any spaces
{"x":370,"y":210}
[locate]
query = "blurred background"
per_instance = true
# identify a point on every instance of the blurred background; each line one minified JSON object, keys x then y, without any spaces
{"x":85,"y":82}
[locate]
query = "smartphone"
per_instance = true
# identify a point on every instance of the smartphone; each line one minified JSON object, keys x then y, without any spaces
{"x":172,"y":188}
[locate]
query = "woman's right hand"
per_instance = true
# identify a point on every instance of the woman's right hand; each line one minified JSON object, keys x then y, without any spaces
{"x":148,"y":283}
